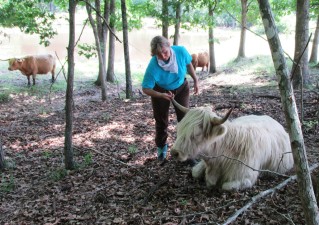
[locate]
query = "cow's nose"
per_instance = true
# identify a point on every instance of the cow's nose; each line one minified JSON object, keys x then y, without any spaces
{"x":174,"y":154}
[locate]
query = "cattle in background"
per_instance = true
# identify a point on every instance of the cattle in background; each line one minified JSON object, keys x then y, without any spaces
{"x":33,"y":65}
{"x":232,"y":153}
{"x":200,"y":60}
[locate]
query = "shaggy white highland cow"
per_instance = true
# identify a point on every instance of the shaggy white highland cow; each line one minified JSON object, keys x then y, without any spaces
{"x":232,"y":153}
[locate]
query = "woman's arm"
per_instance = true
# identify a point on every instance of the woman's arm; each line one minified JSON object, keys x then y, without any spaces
{"x":191,"y":71}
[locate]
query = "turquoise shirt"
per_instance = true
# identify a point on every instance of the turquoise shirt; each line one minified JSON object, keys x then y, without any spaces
{"x":154,"y":74}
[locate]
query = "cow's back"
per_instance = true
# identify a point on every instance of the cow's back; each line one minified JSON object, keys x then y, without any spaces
{"x":256,"y":140}
{"x":203,"y":59}
{"x":44,"y":63}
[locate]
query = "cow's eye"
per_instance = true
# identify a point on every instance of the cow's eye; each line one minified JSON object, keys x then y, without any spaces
{"x":197,"y":132}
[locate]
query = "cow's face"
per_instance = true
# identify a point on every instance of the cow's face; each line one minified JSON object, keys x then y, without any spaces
{"x":15,"y":64}
{"x":192,"y":131}
{"x":199,"y":128}
{"x":187,"y":144}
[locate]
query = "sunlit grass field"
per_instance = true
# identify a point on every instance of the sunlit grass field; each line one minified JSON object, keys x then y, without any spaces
{"x":257,"y":63}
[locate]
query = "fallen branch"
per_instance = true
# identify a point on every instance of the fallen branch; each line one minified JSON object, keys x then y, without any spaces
{"x":241,"y":162}
{"x":225,"y":107}
{"x":267,"y":96}
{"x":261,"y":195}
{"x":109,"y":157}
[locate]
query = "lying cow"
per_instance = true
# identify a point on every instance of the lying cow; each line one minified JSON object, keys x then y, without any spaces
{"x":231,"y":152}
{"x":33,"y":65}
{"x":200,"y":60}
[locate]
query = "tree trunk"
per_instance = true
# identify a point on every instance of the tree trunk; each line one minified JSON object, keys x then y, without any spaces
{"x":314,"y":51}
{"x":102,"y":31}
{"x":165,"y":18}
{"x":110,"y":64}
{"x":99,"y":29}
{"x":178,"y":22}
{"x":301,"y":38}
{"x":103,"y":38}
{"x":2,"y":163}
{"x":244,"y":9}
{"x":129,"y":92}
{"x":68,"y":148}
{"x":99,"y":53}
{"x":211,"y":42}
{"x":291,"y":113}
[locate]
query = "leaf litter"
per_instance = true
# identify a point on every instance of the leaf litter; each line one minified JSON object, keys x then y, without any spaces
{"x":118,"y":179}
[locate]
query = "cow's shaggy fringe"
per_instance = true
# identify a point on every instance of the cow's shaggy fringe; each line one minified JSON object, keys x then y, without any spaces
{"x":257,"y":141}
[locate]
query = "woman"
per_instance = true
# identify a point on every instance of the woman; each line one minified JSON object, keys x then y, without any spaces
{"x":165,"y":78}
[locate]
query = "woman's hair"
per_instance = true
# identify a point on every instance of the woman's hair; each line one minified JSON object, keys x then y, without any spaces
{"x":158,"y":43}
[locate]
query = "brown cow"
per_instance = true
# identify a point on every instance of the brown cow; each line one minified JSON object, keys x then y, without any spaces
{"x":33,"y":65}
{"x":200,"y":60}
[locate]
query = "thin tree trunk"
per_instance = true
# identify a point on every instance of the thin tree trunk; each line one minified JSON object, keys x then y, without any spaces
{"x":110,"y":64}
{"x":306,"y":191}
{"x":211,"y":42}
{"x":301,"y":39}
{"x":244,"y":9}
{"x":99,"y":53}
{"x":314,"y":51}
{"x":105,"y":30}
{"x":165,"y":18}
{"x":178,"y":22}
{"x":68,"y":148}
{"x":102,"y":31}
{"x":2,"y":162}
{"x":129,"y":91}
{"x":99,"y":33}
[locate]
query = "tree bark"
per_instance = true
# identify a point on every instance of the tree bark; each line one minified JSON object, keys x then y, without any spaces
{"x":244,"y":9}
{"x":178,"y":22}
{"x":291,"y":113}
{"x":211,"y":42}
{"x":68,"y":148}
{"x":301,"y":39}
{"x":110,"y":64}
{"x":165,"y":18}
{"x":129,"y":91}
{"x":99,"y":53}
{"x":314,"y":50}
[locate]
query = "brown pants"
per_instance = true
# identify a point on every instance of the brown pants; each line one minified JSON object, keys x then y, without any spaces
{"x":161,"y":111}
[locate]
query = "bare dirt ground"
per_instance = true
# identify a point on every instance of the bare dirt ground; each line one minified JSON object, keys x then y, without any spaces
{"x":118,"y":179}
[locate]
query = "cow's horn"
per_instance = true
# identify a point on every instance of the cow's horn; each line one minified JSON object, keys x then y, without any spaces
{"x":4,"y":59}
{"x":219,"y":121}
{"x":180,"y":107}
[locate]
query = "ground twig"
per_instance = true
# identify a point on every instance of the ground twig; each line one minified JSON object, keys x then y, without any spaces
{"x":155,"y":188}
{"x":261,"y":195}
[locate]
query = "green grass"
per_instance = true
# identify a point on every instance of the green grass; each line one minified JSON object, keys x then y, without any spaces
{"x":5,"y":97}
{"x":7,"y":184}
{"x":58,"y":174}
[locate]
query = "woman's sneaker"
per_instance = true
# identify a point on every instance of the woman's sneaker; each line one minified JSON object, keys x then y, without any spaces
{"x":162,"y":152}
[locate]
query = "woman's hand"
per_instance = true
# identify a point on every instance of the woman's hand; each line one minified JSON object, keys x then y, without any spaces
{"x":192,"y":73}
{"x":196,"y":88}
{"x":167,"y":95}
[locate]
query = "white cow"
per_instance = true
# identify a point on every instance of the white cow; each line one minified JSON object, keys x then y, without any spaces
{"x":231,"y":152}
